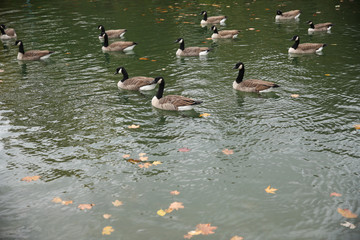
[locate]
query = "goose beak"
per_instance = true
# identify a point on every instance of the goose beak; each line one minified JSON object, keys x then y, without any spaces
{"x":116,"y":73}
{"x":234,"y":67}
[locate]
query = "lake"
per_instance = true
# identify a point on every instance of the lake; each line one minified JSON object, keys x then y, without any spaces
{"x":65,"y":120}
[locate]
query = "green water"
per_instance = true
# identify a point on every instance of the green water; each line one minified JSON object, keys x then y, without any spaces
{"x":65,"y":120}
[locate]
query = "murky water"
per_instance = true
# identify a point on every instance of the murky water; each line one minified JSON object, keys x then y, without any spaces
{"x":65,"y":120}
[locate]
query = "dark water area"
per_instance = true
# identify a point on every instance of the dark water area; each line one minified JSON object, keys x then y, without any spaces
{"x":65,"y":120}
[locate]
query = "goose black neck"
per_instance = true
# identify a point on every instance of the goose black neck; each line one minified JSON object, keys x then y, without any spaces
{"x":205,"y":16}
{"x":125,"y":75}
{"x":216,"y":31}
{"x":21,"y":48}
{"x":106,"y":40}
{"x":240,"y":75}
{"x":161,"y":89}
{"x":102,"y":30}
{"x":296,"y":44}
{"x":2,"y":31}
{"x":182,"y":45}
{"x":312,"y":25}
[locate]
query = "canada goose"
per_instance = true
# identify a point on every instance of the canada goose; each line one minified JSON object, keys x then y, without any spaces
{"x":293,"y":14}
{"x":111,"y":33}
{"x":7,"y":33}
{"x":171,"y":102}
{"x":32,"y":54}
{"x":117,"y":46}
{"x":250,"y":85}
{"x":212,"y":20}
{"x":224,"y":33}
{"x":135,"y":83}
{"x":190,"y":51}
{"x":320,"y":27}
{"x":305,"y":47}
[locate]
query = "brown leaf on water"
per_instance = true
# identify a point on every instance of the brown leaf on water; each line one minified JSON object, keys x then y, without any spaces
{"x":236,"y":238}
{"x":176,"y":205}
{"x":227,"y":151}
{"x":67,"y":202}
{"x":205,"y":229}
{"x":357,"y":126}
{"x":107,"y":230}
{"x":30,"y":178}
{"x":117,"y":203}
{"x":107,"y":216}
{"x":347,"y":213}
{"x":56,"y":200}
{"x":143,"y":58}
{"x":86,"y":206}
{"x":133,"y":160}
{"x":175,"y":192}
{"x":144,"y":158}
{"x":335,"y":194}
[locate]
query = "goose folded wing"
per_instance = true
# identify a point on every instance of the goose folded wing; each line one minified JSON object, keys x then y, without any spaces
{"x":292,"y":13}
{"x":10,"y":32}
{"x":224,"y":33}
{"x":115,"y":33}
{"x":140,"y":81}
{"x":323,"y":25}
{"x":194,"y":50}
{"x":310,"y":46}
{"x":215,"y":18}
{"x":36,"y":53}
{"x":178,"y":100}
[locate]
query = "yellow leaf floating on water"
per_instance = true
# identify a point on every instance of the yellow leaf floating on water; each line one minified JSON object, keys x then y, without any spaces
{"x":86,"y":206}
{"x":144,"y":158}
{"x":30,"y":178}
{"x":357,"y":126}
{"x":66,"y":202}
{"x":126,"y":156}
{"x":107,"y":230}
{"x":157,"y":163}
{"x":142,"y":154}
{"x":228,"y":151}
{"x":175,"y":192}
{"x":236,"y":238}
{"x":327,"y":74}
{"x":56,"y":200}
{"x":335,"y":194}
{"x":117,"y":203}
{"x":270,"y":190}
{"x":107,"y":216}
{"x":295,"y":95}
{"x":161,"y":212}
{"x":347,"y":213}
{"x":134,"y":126}
{"x":143,"y":58}
{"x":145,"y":165}
{"x":204,"y":115}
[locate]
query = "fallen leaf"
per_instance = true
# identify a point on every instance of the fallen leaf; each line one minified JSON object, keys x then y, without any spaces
{"x":134,"y":126}
{"x":2,"y":70}
{"x":236,"y":238}
{"x":335,"y":194}
{"x":86,"y":206}
{"x":145,"y":165}
{"x":107,"y":216}
{"x":67,"y":53}
{"x":175,"y":192}
{"x":56,"y":200}
{"x":161,"y":212}
{"x":144,"y":158}
{"x":30,"y":178}
{"x":194,"y":233}
{"x":267,"y":9}
{"x":205,"y":229}
{"x":348,"y":224}
{"x":204,"y":115}
{"x":67,"y":202}
{"x":347,"y":213}
{"x":327,"y":74}
{"x":270,"y":190}
{"x":133,"y":160}
{"x":153,"y":60}
{"x":169,"y":210}
{"x":117,"y":203}
{"x":257,"y":30}
{"x":208,"y":38}
{"x":126,"y":155}
{"x":357,"y":126}
{"x":107,"y":230}
{"x":143,"y":58}
{"x":188,"y":236}
{"x":227,"y":151}
{"x":176,"y":205}
{"x":184,"y":149}
{"x":142,"y":154}
{"x":295,"y":95}
{"x":156,"y":163}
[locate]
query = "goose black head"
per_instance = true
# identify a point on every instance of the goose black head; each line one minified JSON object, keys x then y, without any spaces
{"x":295,"y":38}
{"x":278,"y":12}
{"x":119,"y":70}
{"x":2,"y":26}
{"x":101,"y":27}
{"x":179,"y":40}
{"x":18,"y":42}
{"x":213,"y":28}
{"x":239,"y":65}
{"x":310,"y":22}
{"x":159,"y":80}
{"x":203,"y":13}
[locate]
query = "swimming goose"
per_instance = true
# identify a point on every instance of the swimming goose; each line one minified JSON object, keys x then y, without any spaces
{"x":293,"y":14}
{"x":117,"y":46}
{"x":224,"y":33}
{"x":7,"y":33}
{"x":171,"y":102}
{"x":250,"y":85}
{"x":111,"y":33}
{"x":190,"y":51}
{"x":305,"y":47}
{"x":135,"y":83}
{"x":320,"y":27}
{"x":212,"y":20}
{"x":32,"y":54}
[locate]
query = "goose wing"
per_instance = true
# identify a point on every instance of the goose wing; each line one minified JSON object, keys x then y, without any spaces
{"x":36,"y":54}
{"x":226,"y":33}
{"x":258,"y":85}
{"x":215,"y":19}
{"x":115,"y":33}
{"x":139,"y":81}
{"x":292,"y":13}
{"x":310,"y":46}
{"x":194,"y":50}
{"x":178,"y":101}
{"x":10,"y":32}
{"x":323,"y":25}
{"x":120,"y":45}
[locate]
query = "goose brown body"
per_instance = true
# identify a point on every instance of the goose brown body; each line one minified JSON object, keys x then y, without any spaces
{"x":305,"y":48}
{"x":171,"y":102}
{"x":190,"y":51}
{"x":250,"y":85}
{"x":223,"y":33}
{"x":32,"y":54}
{"x":135,"y":83}
{"x":287,"y":15}
{"x":320,"y":27}
{"x":7,"y":33}
{"x":117,"y":46}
